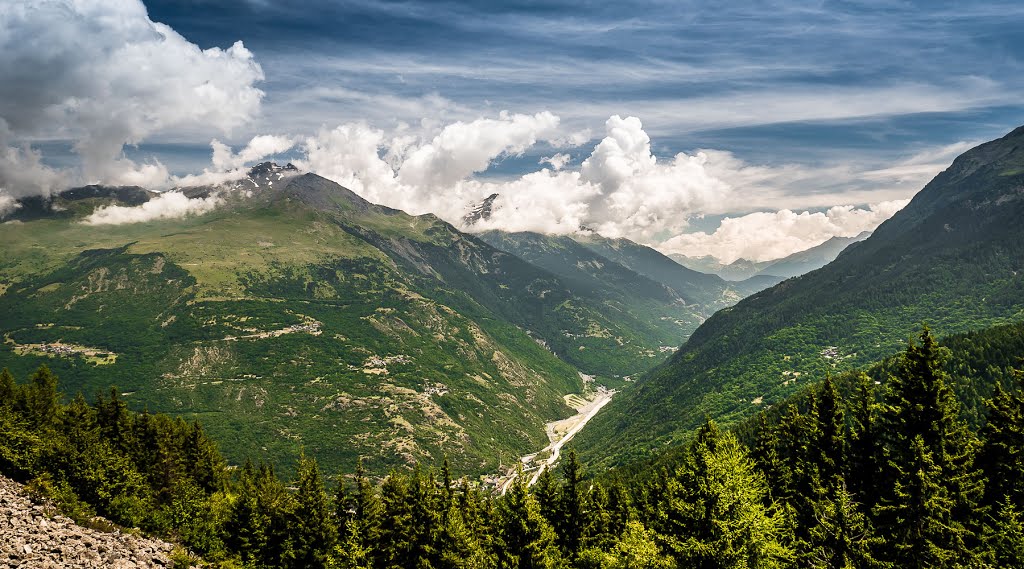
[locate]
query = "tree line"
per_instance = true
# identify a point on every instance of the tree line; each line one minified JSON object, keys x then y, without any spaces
{"x":852,"y":474}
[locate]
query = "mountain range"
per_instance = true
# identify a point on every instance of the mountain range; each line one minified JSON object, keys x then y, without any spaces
{"x":297,"y":315}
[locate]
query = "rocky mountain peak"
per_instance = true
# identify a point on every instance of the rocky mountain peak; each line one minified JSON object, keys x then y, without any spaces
{"x":480,"y":211}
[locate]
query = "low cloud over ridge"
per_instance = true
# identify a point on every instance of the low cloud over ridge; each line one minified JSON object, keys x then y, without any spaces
{"x":167,"y":205}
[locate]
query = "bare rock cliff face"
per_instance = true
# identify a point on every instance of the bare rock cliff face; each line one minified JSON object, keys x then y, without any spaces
{"x":32,"y":535}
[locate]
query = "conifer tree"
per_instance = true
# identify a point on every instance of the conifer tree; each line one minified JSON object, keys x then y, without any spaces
{"x":427,"y":503}
{"x":864,"y":462}
{"x":637,"y":549}
{"x":247,"y":525}
{"x":766,"y":456}
{"x":548,"y":495}
{"x":397,"y":531}
{"x":367,"y":512}
{"x":831,"y":444}
{"x":620,"y":509}
{"x":842,"y":537}
{"x":574,"y":515}
{"x":277,"y":505}
{"x":8,"y":389}
{"x":42,"y":399}
{"x":1007,"y":538}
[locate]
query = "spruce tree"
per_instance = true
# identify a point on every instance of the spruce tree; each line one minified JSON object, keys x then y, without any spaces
{"x":367,"y":513}
{"x":864,"y":447}
{"x":42,"y":399}
{"x":247,"y":526}
{"x":313,"y":531}
{"x":831,"y":444}
{"x":1007,"y":538}
{"x":573,"y":517}
{"x":766,"y":456}
{"x":1002,"y":453}
{"x":397,"y":531}
{"x":930,"y":510}
{"x":842,"y":537}
{"x":525,"y":538}
{"x":8,"y":389}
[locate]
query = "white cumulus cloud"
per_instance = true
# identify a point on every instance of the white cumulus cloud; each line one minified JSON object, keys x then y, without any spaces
{"x":258,"y":148}
{"x":620,"y":190}
{"x":167,"y":205}
{"x":461,"y":149}
{"x":102,"y":74}
{"x":764,"y":236}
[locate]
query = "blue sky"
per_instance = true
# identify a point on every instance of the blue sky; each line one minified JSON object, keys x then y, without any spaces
{"x":773,"y":81}
{"x":784,"y":109}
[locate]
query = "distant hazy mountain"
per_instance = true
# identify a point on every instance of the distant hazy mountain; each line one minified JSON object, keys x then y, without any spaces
{"x":786,"y":267}
{"x":811,"y":259}
{"x":953,"y":258}
{"x":738,"y":270}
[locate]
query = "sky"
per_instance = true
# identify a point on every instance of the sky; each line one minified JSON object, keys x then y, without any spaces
{"x":753,"y":129}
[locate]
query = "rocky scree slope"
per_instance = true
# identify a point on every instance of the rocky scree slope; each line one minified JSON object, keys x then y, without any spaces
{"x":33,"y":536}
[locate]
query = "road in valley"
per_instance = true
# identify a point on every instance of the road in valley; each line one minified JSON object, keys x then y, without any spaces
{"x":574,"y":425}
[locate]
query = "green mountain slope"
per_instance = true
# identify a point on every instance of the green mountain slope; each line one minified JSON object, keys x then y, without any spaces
{"x":952,"y":258}
{"x":304,"y":317}
{"x":659,"y":319}
{"x":709,"y":292}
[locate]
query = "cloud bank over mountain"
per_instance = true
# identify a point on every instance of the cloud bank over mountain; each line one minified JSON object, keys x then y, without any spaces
{"x":619,"y":190}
